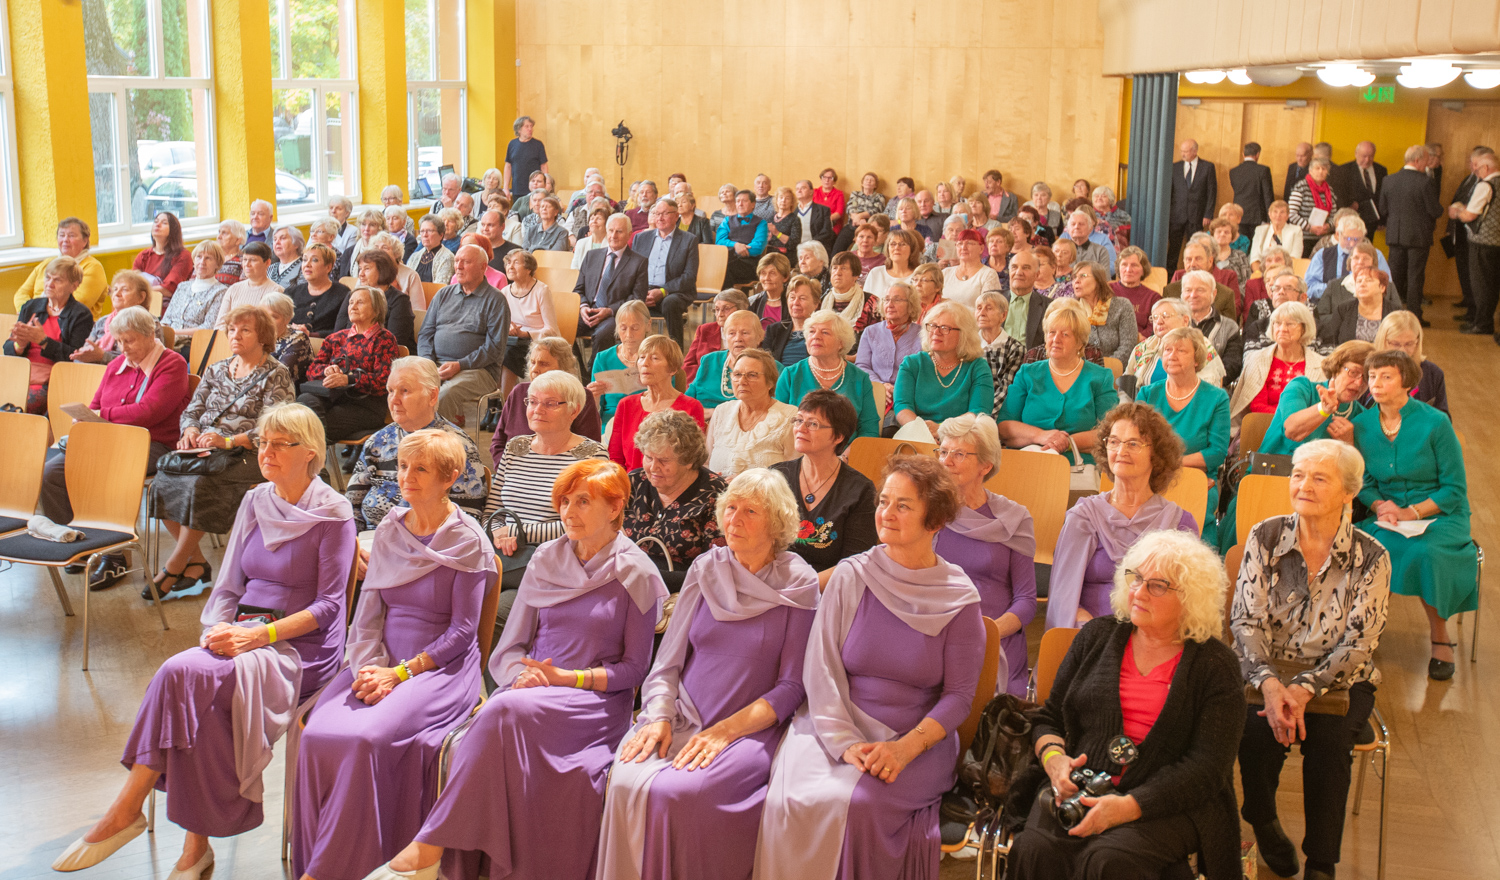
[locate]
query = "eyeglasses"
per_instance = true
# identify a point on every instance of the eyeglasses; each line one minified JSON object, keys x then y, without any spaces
{"x":275,"y":445}
{"x":941,"y":328}
{"x":956,"y":456}
{"x":809,"y":424}
{"x":550,"y":405}
{"x":1157,"y":587}
{"x":737,"y":375}
{"x":1115,"y":443}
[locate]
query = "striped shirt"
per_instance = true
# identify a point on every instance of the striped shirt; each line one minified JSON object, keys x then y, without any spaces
{"x":523,"y":482}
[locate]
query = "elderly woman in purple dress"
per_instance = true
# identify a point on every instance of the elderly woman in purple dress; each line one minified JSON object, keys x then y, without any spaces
{"x":1138,"y":449}
{"x":992,"y":539}
{"x":686,"y":792}
{"x":273,"y":635}
{"x":367,"y":766}
{"x":576,"y":646}
{"x":890,"y":673}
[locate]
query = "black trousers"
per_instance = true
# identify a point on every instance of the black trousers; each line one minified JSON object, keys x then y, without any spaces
{"x":1325,"y":771}
{"x":603,"y":335}
{"x":741,"y":269}
{"x":1461,"y":263}
{"x":350,"y":417}
{"x":1178,"y":233}
{"x":1484,"y":273}
{"x":1409,"y":273}
{"x":1139,"y":850}
{"x":673,"y":307}
{"x":55,"y":503}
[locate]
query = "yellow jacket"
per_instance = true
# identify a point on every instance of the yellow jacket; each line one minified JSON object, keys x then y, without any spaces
{"x":92,"y":292}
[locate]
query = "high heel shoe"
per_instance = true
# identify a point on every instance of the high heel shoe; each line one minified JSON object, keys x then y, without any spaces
{"x":82,"y":854}
{"x":386,"y":872}
{"x":1441,"y":670}
{"x":198,"y":870}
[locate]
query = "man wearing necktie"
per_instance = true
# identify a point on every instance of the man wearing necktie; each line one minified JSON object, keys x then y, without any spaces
{"x":1358,"y":184}
{"x":608,"y":277}
{"x":1195,"y":195}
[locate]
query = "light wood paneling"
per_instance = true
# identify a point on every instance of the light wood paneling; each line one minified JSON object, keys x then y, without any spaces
{"x":1218,"y":128}
{"x":1223,"y":127}
{"x":1459,"y":131}
{"x":1278,"y":129}
{"x":724,"y":90}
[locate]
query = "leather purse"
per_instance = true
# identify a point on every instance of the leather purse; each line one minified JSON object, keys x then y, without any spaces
{"x":199,"y":462}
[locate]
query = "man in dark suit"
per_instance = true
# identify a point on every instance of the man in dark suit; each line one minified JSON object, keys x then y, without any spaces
{"x":1298,"y":169}
{"x":1253,"y":190}
{"x":1457,"y":237}
{"x":671,"y":266}
{"x":817,"y":223}
{"x":1358,"y":183}
{"x":1027,"y":307}
{"x":608,"y":277}
{"x":1409,"y":203}
{"x":1195,"y":196}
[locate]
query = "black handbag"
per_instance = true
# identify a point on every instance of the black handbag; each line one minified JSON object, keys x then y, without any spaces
{"x":512,"y":567}
{"x":1001,"y":749}
{"x":1269,"y":464}
{"x":199,"y":462}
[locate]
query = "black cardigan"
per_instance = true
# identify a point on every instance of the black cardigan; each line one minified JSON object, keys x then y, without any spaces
{"x":1186,"y":763}
{"x":74,"y":325}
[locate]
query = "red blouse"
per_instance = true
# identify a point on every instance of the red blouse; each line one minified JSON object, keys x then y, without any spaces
{"x":628,"y":417}
{"x":1142,"y":696}
{"x":1270,"y":393}
{"x":833,"y":200}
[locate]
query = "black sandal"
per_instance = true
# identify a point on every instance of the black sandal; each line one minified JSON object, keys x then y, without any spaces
{"x":160,"y":581}
{"x":1441,"y":670}
{"x":205,"y":578}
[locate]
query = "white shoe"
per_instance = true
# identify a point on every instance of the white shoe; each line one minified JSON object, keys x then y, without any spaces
{"x":82,"y":854}
{"x":386,"y":872}
{"x":197,"y":871}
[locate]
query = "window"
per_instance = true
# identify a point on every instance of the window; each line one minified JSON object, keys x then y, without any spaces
{"x":150,"y":94}
{"x":435,"y":88}
{"x":313,"y":101}
{"x":10,"y":212}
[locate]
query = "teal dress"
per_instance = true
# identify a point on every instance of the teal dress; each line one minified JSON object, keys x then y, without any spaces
{"x":1203,"y":426}
{"x":609,"y":359}
{"x":798,"y":379}
{"x":710,"y":386}
{"x":1299,"y":394}
{"x":968,"y":389}
{"x":1034,"y":400}
{"x":1423,"y":462}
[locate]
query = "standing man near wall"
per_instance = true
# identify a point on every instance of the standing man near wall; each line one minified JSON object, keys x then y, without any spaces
{"x":1357,"y":184}
{"x":1298,"y":170}
{"x":1409,"y":203}
{"x":1457,"y":239}
{"x":1195,"y":195}
{"x":1253,"y":190}
{"x":1484,"y":243}
{"x":524,"y":156}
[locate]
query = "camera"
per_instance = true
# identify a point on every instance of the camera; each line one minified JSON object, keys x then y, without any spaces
{"x":1090,"y":784}
{"x":621,"y":132}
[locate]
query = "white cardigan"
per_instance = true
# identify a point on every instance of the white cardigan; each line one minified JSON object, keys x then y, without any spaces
{"x":1257,"y":367}
{"x":1291,"y":239}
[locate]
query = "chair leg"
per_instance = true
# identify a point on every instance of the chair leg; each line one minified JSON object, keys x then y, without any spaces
{"x":1385,"y":779}
{"x":62,"y":594}
{"x":85,"y":579}
{"x":1478,"y":596}
{"x":151,"y":811}
{"x":155,"y":594}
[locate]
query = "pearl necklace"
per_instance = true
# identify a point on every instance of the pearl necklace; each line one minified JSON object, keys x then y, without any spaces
{"x":953,"y":373}
{"x":825,"y":377}
{"x":1188,"y":396}
{"x":1061,"y":375}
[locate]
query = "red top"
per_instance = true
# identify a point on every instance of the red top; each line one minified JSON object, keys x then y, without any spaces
{"x":1280,"y":374}
{"x":169,"y":271}
{"x":41,"y":365}
{"x":833,"y":200}
{"x":628,"y":417}
{"x":1142,"y":696}
{"x":708,"y":338}
{"x":153,"y":400}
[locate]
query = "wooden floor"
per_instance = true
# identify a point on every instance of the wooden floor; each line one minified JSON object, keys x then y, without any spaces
{"x":62,"y":730}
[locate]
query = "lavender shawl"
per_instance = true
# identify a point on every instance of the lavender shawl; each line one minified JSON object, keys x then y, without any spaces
{"x":1092,"y":524}
{"x":1011,"y":526}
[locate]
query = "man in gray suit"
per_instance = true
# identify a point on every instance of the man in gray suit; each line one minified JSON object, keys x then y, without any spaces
{"x":1409,"y":203}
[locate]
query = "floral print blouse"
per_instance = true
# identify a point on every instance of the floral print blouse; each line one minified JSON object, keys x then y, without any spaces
{"x":229,"y":406}
{"x":688,"y":526}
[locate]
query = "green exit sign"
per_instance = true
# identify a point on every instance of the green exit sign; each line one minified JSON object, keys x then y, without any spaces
{"x":1378,"y":95}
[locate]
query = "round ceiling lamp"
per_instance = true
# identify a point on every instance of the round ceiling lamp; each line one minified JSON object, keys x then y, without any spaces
{"x":1483,"y":79}
{"x":1205,"y":77}
{"x":1273,"y":76}
{"x":1345,"y":75}
{"x":1239,"y":77}
{"x":1427,"y":74}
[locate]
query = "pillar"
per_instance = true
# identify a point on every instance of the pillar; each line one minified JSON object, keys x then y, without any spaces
{"x":491,"y":91}
{"x":381,"y":32}
{"x":242,"y":105}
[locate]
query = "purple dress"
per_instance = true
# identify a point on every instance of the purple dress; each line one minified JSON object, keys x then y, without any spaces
{"x":1093,"y":540}
{"x":538,"y":756}
{"x":1001,"y":563}
{"x":736,"y":637}
{"x":367,"y":775}
{"x":185,"y":728}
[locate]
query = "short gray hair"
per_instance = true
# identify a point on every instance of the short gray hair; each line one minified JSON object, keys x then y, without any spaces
{"x":299,"y":423}
{"x":392,"y":190}
{"x":1177,"y":305}
{"x":377,"y":301}
{"x":388,"y":243}
{"x":326,"y":224}
{"x":1194,"y":338}
{"x":769,"y":490}
{"x":450,"y":176}
{"x":992,"y":296}
{"x":394,"y":210}
{"x":816,"y":248}
{"x":425,"y":370}
{"x":1105,"y":191}
{"x":676,"y":431}
{"x":735,"y":298}
{"x":1322,"y":161}
{"x":259,"y":202}
{"x":278,"y":304}
{"x":1350,"y":220}
{"x":341,"y":201}
{"x":236,"y":227}
{"x":907,"y":294}
{"x":133,"y":319}
{"x":842,"y":331}
{"x":560,"y":351}
{"x":979,"y":430}
{"x":1350,"y":464}
{"x":1295,"y":312}
{"x":564,"y":385}
{"x":1201,"y":275}
{"x":294,"y":234}
{"x":613,"y":217}
{"x":520,"y":121}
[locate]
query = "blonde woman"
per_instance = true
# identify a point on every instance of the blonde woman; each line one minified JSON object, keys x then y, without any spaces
{"x":949,"y":376}
{"x":1402,"y":331}
{"x":828,"y":337}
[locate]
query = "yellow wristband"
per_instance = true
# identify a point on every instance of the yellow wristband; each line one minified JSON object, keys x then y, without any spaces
{"x":270,"y":633}
{"x":1047,"y":753}
{"x":402,"y":673}
{"x":579,"y":684}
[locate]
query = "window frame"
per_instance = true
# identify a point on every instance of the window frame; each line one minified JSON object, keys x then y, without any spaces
{"x":11,"y":207}
{"x":157,"y":80}
{"x":347,"y":85}
{"x":459,"y":84}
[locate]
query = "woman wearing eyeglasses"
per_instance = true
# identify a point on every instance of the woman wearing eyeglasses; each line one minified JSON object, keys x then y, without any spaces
{"x":273,"y":635}
{"x":754,"y":429}
{"x":1150,"y":697}
{"x":829,"y":339}
{"x":1056,"y":403}
{"x":1140,"y":452}
{"x":949,"y":376}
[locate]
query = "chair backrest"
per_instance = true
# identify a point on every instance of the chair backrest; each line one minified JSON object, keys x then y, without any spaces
{"x":402,"y":351}
{"x":153,"y":305}
{"x":489,"y":610}
{"x":985,"y":692}
{"x":1253,"y":431}
{"x":193,"y":383}
{"x":1038,"y":481}
{"x":6,"y":322}
{"x":70,"y":383}
{"x":1054,"y":647}
{"x":1300,"y":264}
{"x":351,"y":588}
{"x":562,"y":278}
{"x":1115,"y":366}
{"x":1261,"y":496}
{"x":15,"y":378}
{"x":315,"y":343}
{"x":1157,"y":279}
{"x":869,"y":454}
{"x":349,"y":281}
{"x":199,"y":345}
{"x":566,"y":305}
{"x":25,"y":454}
{"x":553,"y":259}
{"x":430,"y":289}
{"x":168,"y":336}
{"x":106,"y":473}
{"x":418,"y":316}
{"x":1189,"y":492}
{"x":713,"y":264}
{"x":878,"y":389}
{"x":1232,"y":561}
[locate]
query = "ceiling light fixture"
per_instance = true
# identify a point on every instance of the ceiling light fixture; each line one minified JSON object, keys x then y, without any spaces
{"x":1427,"y":73}
{"x":1239,"y":77}
{"x":1483,"y":79}
{"x":1345,"y":75}
{"x":1205,"y":77}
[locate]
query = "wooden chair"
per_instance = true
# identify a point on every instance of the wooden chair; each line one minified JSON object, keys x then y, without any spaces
{"x":1038,"y":481}
{"x":106,"y":473}
{"x":349,"y":281}
{"x":1232,"y":562}
{"x":1300,"y":264}
{"x":1157,"y":279}
{"x":430,"y":289}
{"x":6,"y":322}
{"x":713,"y":265}
{"x":878,"y":389}
{"x":403,"y":351}
{"x":15,"y":380}
{"x":558,"y":279}
{"x":868,"y":454}
{"x":202,"y":337}
{"x":168,"y":336}
{"x":418,"y":316}
{"x":1253,"y":431}
{"x":1189,"y":492}
{"x":1055,"y":644}
{"x":70,"y":383}
{"x":553,"y":259}
{"x":315,"y":343}
{"x":1115,"y":366}
{"x":1261,"y":496}
{"x":153,"y":305}
{"x":21,"y":478}
{"x":985,"y":692}
{"x":566,"y":305}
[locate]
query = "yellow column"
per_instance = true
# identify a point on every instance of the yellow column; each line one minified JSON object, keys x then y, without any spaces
{"x":242,"y":105}
{"x":53,"y":138}
{"x":381,"y":29}
{"x":492,"y":80}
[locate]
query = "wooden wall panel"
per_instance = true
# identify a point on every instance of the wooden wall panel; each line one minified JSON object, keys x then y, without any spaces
{"x":1278,"y":129}
{"x":723,"y":90}
{"x":1459,"y":131}
{"x":1216,"y":126}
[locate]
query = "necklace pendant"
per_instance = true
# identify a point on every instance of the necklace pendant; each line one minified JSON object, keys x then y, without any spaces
{"x":809,"y":498}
